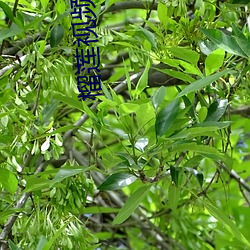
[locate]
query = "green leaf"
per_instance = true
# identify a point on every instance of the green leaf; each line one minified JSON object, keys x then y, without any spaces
{"x":7,"y":10}
{"x":143,"y":81}
{"x":204,"y":150}
{"x":194,"y":161}
{"x":145,"y":34}
{"x":219,"y":125}
{"x":198,"y":85}
{"x":132,"y":203}
{"x":41,"y":243}
{"x":245,"y":2}
{"x":193,"y":132}
{"x":227,"y":223}
{"x":202,"y":114}
{"x":177,"y":74}
{"x":70,"y":101}
{"x":173,"y":196}
{"x":36,"y":21}
{"x":186,"y":54}
{"x":174,"y":172}
{"x":128,"y":108}
{"x":56,"y":131}
{"x":214,"y":61}
{"x":34,"y":183}
{"x":13,"y":246}
{"x":244,"y":45}
{"x":166,"y":117}
{"x":158,"y":97}
{"x":188,"y":105}
{"x":162,"y":12}
{"x":66,"y":172}
{"x":4,"y":215}
{"x":49,"y":110}
{"x":108,"y":3}
{"x":49,"y":244}
{"x":237,"y":32}
{"x":216,"y":110}
{"x":9,"y":32}
{"x":189,"y":68}
{"x":207,"y":46}
{"x":117,"y":181}
{"x":44,"y":3}
{"x":98,"y":210}
{"x":198,"y":175}
{"x":8,"y":180}
{"x":223,"y":41}
{"x":106,"y":92}
{"x":56,"y":35}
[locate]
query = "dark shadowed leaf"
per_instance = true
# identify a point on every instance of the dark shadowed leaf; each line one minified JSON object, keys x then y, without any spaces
{"x":198,"y":175}
{"x":7,"y":10}
{"x":216,"y":110}
{"x":223,"y":41}
{"x":166,"y":117}
{"x":158,"y":97}
{"x":117,"y":181}
{"x":56,"y":35}
{"x":245,"y":2}
{"x":174,"y":172}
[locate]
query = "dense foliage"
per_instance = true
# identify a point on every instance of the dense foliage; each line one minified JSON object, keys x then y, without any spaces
{"x":160,"y":160}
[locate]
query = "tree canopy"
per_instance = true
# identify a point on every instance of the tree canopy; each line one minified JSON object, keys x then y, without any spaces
{"x":158,"y":158}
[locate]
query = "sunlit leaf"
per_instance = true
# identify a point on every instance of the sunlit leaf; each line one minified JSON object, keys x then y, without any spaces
{"x":8,"y":180}
{"x":214,"y":61}
{"x":186,"y":54}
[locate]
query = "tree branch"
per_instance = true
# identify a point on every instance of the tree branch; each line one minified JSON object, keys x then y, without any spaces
{"x":235,"y":176}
